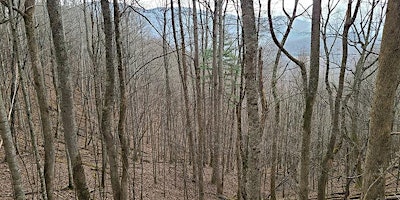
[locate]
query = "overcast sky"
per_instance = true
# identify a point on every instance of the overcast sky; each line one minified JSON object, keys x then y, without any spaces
{"x":276,"y":4}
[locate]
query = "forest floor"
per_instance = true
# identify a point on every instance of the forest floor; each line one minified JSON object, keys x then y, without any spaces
{"x":150,"y":180}
{"x":171,"y":186}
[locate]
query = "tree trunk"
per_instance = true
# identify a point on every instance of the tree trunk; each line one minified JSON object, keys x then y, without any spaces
{"x":10,"y":153}
{"x":219,"y":181}
{"x":310,"y":86}
{"x":381,"y":116}
{"x":48,"y":136}
{"x":311,"y":91}
{"x":92,"y":50}
{"x":14,"y":71}
{"x":67,"y":108}
{"x":251,"y":89}
{"x":168,"y":103}
{"x":277,"y":110}
{"x":241,"y":149}
{"x":189,"y":128}
{"x":199,"y":104}
{"x":330,"y":152}
{"x":33,"y":134}
{"x":217,"y":91}
{"x":123,"y":137}
{"x":107,"y":115}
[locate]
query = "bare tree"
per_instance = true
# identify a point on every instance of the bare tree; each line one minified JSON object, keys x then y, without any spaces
{"x":107,"y":114}
{"x":368,"y":32}
{"x":276,"y":99}
{"x":328,"y":159}
{"x":15,"y":62}
{"x":199,"y":104}
{"x":11,"y":155}
{"x":310,"y":86}
{"x":311,"y":91}
{"x":381,"y":116}
{"x":123,"y":136}
{"x":251,"y":89}
{"x":67,"y":107}
{"x":40,"y":89}
{"x":183,"y":73}
{"x":216,"y":93}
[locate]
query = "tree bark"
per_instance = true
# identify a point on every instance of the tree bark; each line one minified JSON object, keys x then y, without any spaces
{"x":216,"y":91}
{"x":199,"y":104}
{"x":11,"y":155}
{"x":311,"y":91}
{"x":381,"y":116}
{"x":251,"y":89}
{"x":48,"y":136}
{"x":219,"y":155}
{"x":107,"y":115}
{"x":168,"y":98}
{"x":67,"y":108}
{"x":15,"y":62}
{"x":123,"y":137}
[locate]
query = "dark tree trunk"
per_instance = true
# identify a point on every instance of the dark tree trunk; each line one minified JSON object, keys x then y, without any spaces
{"x":311,"y":90}
{"x":122,"y":134}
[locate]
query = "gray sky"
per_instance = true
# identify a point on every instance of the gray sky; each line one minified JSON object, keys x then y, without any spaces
{"x":276,"y":4}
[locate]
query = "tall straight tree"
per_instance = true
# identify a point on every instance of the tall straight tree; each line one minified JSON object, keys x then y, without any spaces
{"x":310,"y":87}
{"x":199,"y":104}
{"x":182,"y":67}
{"x":49,"y":156}
{"x":67,"y":107}
{"x":122,"y":134}
{"x":109,"y":101}
{"x":381,"y":116}
{"x":251,"y":89}
{"x":216,"y":91}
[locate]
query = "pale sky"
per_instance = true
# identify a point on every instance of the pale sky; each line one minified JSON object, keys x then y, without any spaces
{"x":276,"y":4}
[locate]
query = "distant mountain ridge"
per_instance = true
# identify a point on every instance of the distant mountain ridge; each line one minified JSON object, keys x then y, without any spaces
{"x":297,"y":43}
